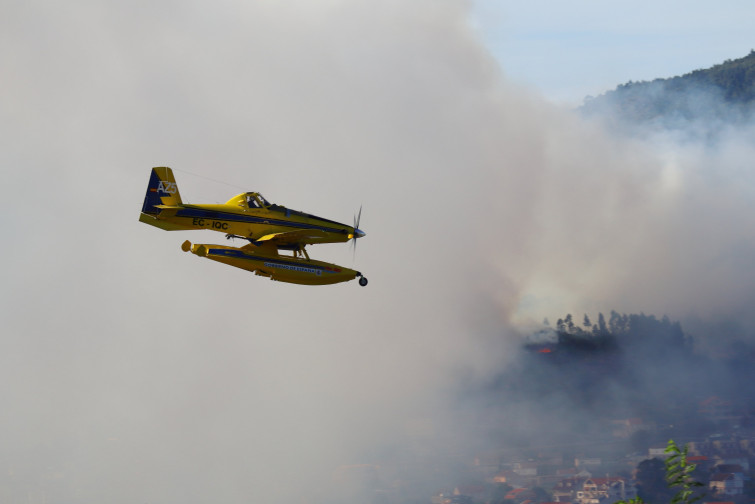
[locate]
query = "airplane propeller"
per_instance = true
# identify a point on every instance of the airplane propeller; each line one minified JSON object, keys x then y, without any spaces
{"x":358,"y":233}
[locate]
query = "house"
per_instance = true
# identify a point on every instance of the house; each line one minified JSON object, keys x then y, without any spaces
{"x":726,"y":484}
{"x":658,"y":452}
{"x":697,"y":459}
{"x":605,"y":491}
{"x":724,"y":449}
{"x":703,"y":466}
{"x":728,"y":447}
{"x":735,"y":464}
{"x":509,"y":477}
{"x":525,"y":468}
{"x":566,"y":489}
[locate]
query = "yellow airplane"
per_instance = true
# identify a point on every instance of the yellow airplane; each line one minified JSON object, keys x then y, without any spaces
{"x":268,"y":227}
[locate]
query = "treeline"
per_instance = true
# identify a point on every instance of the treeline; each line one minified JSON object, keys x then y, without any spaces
{"x":581,"y":373}
{"x":735,"y":79}
{"x":724,"y":92}
{"x":620,"y":330}
{"x":633,"y":364}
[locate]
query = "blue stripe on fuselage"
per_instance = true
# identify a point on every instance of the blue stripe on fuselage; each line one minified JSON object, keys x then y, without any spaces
{"x":190,"y":213}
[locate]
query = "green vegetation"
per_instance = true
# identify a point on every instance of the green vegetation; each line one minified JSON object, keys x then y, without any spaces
{"x":678,"y":474}
{"x":621,"y":331}
{"x":722,"y":93}
{"x":651,"y":482}
{"x":630,"y":365}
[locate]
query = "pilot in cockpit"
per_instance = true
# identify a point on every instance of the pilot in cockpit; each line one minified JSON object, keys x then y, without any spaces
{"x":252,"y":201}
{"x":255,"y":200}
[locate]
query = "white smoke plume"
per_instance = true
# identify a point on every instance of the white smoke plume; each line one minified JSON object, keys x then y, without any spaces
{"x":136,"y":373}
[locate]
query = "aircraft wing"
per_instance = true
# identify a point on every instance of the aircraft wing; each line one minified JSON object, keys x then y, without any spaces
{"x":296,"y":237}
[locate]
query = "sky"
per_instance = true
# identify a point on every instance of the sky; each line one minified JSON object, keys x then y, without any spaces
{"x":568,"y":51}
{"x":133,"y":372}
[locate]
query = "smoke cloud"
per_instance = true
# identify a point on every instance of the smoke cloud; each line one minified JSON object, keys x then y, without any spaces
{"x":136,"y":373}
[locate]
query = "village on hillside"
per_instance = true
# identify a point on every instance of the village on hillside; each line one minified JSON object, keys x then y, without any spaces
{"x":598,"y":474}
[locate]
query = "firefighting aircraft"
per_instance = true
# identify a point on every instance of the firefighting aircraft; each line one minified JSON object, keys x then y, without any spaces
{"x":269,"y":228}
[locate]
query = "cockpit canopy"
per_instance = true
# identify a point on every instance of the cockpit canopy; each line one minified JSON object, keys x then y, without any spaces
{"x":251,"y":200}
{"x":256,"y":200}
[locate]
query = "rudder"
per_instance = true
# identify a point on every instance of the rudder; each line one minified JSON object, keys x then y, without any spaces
{"x":162,"y":190}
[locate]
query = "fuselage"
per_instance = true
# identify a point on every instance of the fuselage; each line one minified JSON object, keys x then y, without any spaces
{"x":238,"y":217}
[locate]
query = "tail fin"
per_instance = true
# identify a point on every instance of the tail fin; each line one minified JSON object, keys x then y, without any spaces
{"x":162,"y":190}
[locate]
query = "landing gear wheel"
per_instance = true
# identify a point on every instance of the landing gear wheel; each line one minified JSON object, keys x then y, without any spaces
{"x":363,"y":281}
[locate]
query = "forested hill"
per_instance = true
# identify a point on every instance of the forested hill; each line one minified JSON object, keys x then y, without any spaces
{"x":622,"y":366}
{"x":723,"y":93}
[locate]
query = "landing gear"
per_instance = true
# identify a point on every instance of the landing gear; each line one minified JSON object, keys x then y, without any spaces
{"x":362,"y":279}
{"x":230,"y":236}
{"x":301,"y":251}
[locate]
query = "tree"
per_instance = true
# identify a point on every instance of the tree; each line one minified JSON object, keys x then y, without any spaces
{"x":569,"y":323}
{"x":602,"y":327}
{"x":678,"y":473}
{"x":651,"y":482}
{"x":542,"y":495}
{"x":500,"y":492}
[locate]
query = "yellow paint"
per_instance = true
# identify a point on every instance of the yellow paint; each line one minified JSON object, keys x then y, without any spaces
{"x":268,"y":227}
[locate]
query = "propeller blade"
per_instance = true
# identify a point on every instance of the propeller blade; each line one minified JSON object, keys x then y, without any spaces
{"x":357,"y":219}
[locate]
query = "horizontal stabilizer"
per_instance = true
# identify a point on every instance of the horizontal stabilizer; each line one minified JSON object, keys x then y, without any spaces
{"x":164,"y":225}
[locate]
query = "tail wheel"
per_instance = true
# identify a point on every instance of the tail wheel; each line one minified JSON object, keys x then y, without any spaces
{"x":363,"y":281}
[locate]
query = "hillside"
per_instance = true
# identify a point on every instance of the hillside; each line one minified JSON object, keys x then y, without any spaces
{"x":578,"y":377}
{"x":724,"y":93}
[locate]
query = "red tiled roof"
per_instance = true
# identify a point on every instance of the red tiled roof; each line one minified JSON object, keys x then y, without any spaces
{"x":513,"y":494}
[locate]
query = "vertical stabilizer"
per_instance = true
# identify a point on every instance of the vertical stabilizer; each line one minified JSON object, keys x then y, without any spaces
{"x":162,"y":190}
